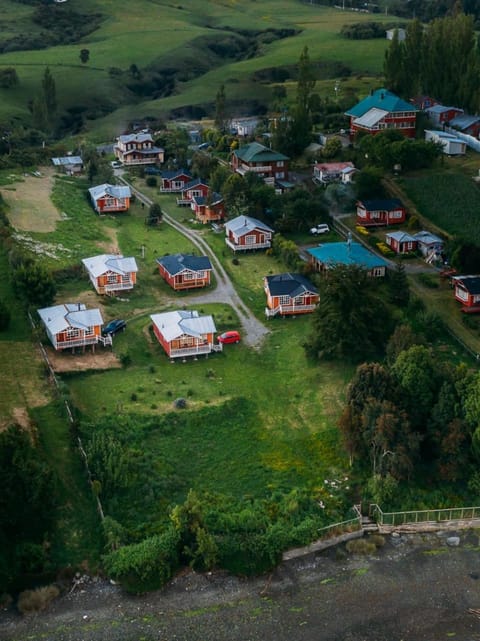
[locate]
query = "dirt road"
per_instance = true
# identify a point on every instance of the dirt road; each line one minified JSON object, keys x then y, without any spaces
{"x":416,"y":588}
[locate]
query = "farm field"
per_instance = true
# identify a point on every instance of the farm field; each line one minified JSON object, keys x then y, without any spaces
{"x":163,"y":36}
{"x":450,"y":199}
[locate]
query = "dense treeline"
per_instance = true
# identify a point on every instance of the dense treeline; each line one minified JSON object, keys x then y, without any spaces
{"x":441,"y":61}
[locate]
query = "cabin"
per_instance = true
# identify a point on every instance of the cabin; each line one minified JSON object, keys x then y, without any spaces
{"x":466,"y":124}
{"x":430,"y":245}
{"x":327,"y":172}
{"x":244,"y":127}
{"x":328,"y":255}
{"x":175,"y":181}
{"x":289,"y":294}
{"x":185,"y":333}
{"x":72,"y":325}
{"x":269,"y":165}
{"x":451,"y":145}
{"x":70,"y":165}
{"x":467,"y":292}
{"x":382,"y":110}
{"x":138,"y":149}
{"x":401,"y":242}
{"x":109,"y":199}
{"x":441,"y":114}
{"x":111,"y":273}
{"x":383,"y":212}
{"x":245,"y":233}
{"x":185,"y":271}
{"x":208,"y":209}
{"x":193,"y":189}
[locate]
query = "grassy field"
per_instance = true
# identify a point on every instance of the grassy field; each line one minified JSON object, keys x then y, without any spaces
{"x":162,"y":35}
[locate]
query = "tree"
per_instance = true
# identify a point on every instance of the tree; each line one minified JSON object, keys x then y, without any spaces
{"x":402,"y":339}
{"x":155,"y":214}
{"x":84,"y":55}
{"x":49,"y":93}
{"x":4,"y":316}
{"x":8,"y":78}
{"x":351,"y":322}
{"x":35,"y":284}
{"x":221,"y":113}
{"x":368,"y":183}
{"x":235,"y":195}
{"x":40,"y":113}
{"x":393,"y":65}
{"x":398,"y":288}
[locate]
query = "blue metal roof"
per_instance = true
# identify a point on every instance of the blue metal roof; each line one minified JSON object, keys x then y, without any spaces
{"x":380,"y":99}
{"x":346,"y":254}
{"x":386,"y":204}
{"x":287,"y":284}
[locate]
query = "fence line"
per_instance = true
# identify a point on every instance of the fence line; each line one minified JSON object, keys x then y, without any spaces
{"x":54,"y":379}
{"x":412,"y":517}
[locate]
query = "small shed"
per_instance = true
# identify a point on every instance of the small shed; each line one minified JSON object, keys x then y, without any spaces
{"x":451,"y":145}
{"x":401,"y":242}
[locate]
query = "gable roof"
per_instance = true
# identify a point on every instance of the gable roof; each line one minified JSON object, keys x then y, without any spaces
{"x":241,"y":225}
{"x":288,"y":284}
{"x":464,"y":121}
{"x":333,"y":166}
{"x":115,"y":191}
{"x":61,"y":317}
{"x":470,"y":283}
{"x":175,"y":324}
{"x":215,"y":198}
{"x":177,"y":263}
{"x":196,"y":182}
{"x":401,"y":236}
{"x":441,"y":109}
{"x":386,"y":204}
{"x":383,"y":100}
{"x":345,"y":253}
{"x":169,"y":175}
{"x":98,"y":265}
{"x":427,"y":238}
{"x":255,"y":152}
{"x":138,"y":137}
{"x":65,"y":161}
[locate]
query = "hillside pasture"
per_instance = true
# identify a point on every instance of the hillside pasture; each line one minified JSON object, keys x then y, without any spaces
{"x":449,"y":199}
{"x":161,"y":36}
{"x":30,"y":204}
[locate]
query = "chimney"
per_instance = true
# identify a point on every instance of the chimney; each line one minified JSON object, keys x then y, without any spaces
{"x":382,"y":96}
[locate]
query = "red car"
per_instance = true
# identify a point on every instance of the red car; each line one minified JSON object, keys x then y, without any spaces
{"x":229,"y":337}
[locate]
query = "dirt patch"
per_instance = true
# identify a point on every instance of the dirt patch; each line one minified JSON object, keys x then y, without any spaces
{"x":110,"y":247}
{"x":415,"y":588}
{"x":102,"y":358}
{"x":31,"y":208}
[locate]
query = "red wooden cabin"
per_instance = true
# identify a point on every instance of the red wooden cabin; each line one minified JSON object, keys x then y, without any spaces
{"x":185,"y":271}
{"x":289,"y":295}
{"x":380,"y":212}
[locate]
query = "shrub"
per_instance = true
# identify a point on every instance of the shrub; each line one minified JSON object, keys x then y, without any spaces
{"x":235,"y":261}
{"x":151,"y":181}
{"x":377,"y":539}
{"x":125,"y":359}
{"x":180,"y":403}
{"x":134,"y":397}
{"x":360,"y":546}
{"x":31,"y":601}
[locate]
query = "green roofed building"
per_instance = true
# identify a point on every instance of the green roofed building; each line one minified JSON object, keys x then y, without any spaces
{"x":381,"y":110}
{"x":270,"y":165}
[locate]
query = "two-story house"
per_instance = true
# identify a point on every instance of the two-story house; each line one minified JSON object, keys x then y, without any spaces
{"x":382,"y":110}
{"x":270,"y":165}
{"x":138,"y":149}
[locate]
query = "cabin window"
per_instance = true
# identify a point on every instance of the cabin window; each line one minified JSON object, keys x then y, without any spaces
{"x":280,"y":174}
{"x":250,"y":240}
{"x":72,"y":332}
{"x":89,"y":331}
{"x":284,"y":300}
{"x":111,"y":278}
{"x":298,"y":300}
{"x":110,"y":202}
{"x":280,"y":163}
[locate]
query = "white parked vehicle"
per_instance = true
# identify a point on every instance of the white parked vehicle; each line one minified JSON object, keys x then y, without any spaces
{"x":323,"y":228}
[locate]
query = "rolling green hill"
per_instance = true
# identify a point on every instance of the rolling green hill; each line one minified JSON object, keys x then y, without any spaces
{"x":183,"y":54}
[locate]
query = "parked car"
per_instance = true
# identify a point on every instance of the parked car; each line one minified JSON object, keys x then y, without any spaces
{"x":323,"y":228}
{"x":116,"y":164}
{"x":114,"y":326}
{"x":152,"y":171}
{"x":229,"y":337}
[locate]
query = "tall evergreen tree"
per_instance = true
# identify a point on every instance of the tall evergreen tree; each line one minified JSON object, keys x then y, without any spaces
{"x":393,"y":65}
{"x":221,"y":113}
{"x":49,"y":93}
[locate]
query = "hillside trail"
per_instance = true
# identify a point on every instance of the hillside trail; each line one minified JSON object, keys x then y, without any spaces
{"x":254,"y":330}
